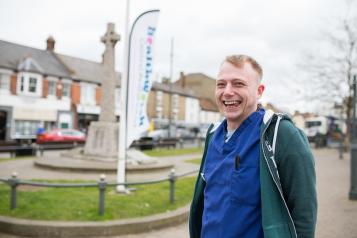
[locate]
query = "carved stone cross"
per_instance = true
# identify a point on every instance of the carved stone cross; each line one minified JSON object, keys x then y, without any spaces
{"x":102,"y":139}
{"x":110,"y":38}
{"x":107,"y":103}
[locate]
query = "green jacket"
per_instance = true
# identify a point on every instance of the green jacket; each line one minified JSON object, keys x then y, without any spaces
{"x":287,"y":179}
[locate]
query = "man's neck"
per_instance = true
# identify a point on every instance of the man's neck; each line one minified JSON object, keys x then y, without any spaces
{"x":233,"y":125}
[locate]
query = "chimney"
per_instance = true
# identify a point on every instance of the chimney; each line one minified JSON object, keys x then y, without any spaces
{"x":183,"y":79}
{"x":51,"y":43}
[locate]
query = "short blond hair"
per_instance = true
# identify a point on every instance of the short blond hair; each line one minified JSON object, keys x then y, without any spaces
{"x":240,"y":60}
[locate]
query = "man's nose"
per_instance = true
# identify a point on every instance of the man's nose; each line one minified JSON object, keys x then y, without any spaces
{"x":228,"y":90}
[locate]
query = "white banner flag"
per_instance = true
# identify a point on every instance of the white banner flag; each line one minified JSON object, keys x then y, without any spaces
{"x":140,"y":73}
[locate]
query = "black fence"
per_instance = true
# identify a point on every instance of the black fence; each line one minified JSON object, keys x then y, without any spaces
{"x":102,"y":185}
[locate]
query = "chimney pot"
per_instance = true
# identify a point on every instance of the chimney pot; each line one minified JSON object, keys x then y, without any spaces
{"x":51,"y":43}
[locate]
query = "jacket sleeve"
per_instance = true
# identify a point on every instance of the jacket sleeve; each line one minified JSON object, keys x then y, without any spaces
{"x":196,"y":210}
{"x":296,"y":168}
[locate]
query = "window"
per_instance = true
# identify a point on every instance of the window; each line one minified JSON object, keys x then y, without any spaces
{"x":88,"y":94}
{"x":175,"y":101}
{"x":159,"y":112}
{"x":29,"y":84}
{"x":310,"y":124}
{"x":22,"y":84}
{"x":66,"y":90}
{"x":175,"y":106}
{"x":4,"y":82}
{"x":52,"y":88}
{"x":26,"y":128}
{"x":159,"y":98}
{"x":64,"y":125}
{"x":32,"y":84}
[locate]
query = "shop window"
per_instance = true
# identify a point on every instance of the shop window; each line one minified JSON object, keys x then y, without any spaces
{"x":26,"y":128}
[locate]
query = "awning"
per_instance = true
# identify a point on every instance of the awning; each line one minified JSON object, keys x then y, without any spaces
{"x":34,"y":114}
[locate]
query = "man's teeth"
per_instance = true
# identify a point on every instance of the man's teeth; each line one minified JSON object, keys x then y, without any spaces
{"x":229,"y":103}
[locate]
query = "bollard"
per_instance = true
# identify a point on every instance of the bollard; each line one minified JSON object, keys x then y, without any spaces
{"x":13,"y":182}
{"x":172,"y":179}
{"x":34,"y":149}
{"x":41,"y":150}
{"x":101,"y":185}
{"x":340,"y":148}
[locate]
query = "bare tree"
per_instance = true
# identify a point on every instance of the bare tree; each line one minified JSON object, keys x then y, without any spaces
{"x":330,"y":64}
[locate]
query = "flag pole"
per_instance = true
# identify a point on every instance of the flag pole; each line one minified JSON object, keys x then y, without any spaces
{"x":124,"y":109}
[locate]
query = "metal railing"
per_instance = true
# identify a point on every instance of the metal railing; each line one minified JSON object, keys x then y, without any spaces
{"x":33,"y":148}
{"x":102,"y":184}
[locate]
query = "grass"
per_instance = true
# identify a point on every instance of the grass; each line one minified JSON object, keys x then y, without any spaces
{"x":194,"y":161}
{"x":172,"y":152}
{"x":81,"y":204}
{"x":16,"y":158}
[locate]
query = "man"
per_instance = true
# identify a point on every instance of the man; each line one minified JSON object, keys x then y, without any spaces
{"x":257,"y":177}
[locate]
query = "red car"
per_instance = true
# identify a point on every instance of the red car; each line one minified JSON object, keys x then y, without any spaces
{"x":61,"y":135}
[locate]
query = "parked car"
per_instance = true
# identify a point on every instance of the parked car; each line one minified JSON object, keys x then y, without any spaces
{"x":61,"y":135}
{"x":157,"y":135}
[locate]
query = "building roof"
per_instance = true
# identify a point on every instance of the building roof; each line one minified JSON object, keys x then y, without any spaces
{"x":12,"y":55}
{"x":206,"y":104}
{"x":173,"y":88}
{"x":85,"y":70}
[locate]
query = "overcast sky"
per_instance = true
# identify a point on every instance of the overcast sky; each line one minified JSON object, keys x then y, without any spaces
{"x":275,"y":32}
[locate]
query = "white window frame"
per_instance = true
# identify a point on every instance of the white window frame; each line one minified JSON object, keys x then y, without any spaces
{"x":159,"y":97}
{"x":159,"y":111}
{"x":23,"y":84}
{"x":32,"y":84}
{"x":88,"y":93}
{"x":5,"y":79}
{"x":54,"y":81}
{"x":175,"y":101}
{"x":175,"y":106}
{"x":66,"y":83}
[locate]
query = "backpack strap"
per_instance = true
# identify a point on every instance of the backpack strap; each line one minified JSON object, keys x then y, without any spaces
{"x":279,"y":117}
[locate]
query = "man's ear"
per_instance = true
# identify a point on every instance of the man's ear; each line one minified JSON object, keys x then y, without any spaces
{"x":260,"y":91}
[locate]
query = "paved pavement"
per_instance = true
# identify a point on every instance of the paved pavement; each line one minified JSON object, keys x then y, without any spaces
{"x":337,"y":215}
{"x":26,"y":169}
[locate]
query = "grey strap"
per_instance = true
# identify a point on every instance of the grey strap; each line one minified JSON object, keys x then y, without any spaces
{"x":276,"y":131}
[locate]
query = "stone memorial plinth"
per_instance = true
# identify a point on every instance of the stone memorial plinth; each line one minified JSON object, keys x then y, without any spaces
{"x":102,"y":140}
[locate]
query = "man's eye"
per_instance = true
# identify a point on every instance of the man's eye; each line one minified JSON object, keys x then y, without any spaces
{"x":220,"y":85}
{"x":238,"y":84}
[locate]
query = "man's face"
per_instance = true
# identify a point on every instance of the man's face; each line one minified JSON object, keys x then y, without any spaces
{"x":237,"y":92}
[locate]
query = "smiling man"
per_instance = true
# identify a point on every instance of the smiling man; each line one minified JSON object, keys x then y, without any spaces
{"x":257,"y":177}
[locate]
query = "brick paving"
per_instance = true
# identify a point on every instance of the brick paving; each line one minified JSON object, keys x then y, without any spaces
{"x":337,"y":215}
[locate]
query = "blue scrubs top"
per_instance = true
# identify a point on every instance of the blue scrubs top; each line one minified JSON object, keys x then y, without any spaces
{"x":232,"y":205}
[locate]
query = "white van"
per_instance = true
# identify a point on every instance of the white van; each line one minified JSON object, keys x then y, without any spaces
{"x":316,"y":130}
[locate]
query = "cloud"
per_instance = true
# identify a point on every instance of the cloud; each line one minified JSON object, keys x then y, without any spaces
{"x":274,"y":32}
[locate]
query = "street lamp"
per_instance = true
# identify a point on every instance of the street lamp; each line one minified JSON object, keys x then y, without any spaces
{"x":353,"y":188}
{"x":340,"y":144}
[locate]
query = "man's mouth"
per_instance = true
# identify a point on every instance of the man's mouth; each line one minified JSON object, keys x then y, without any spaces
{"x":231,"y":103}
